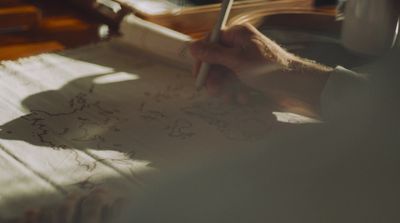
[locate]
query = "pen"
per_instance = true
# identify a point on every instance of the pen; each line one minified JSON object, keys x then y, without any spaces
{"x":214,"y":38}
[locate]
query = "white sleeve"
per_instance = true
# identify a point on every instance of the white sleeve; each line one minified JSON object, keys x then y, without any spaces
{"x":342,"y":92}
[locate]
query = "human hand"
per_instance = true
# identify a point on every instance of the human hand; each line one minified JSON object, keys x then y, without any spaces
{"x":246,"y":60}
{"x":99,"y":206}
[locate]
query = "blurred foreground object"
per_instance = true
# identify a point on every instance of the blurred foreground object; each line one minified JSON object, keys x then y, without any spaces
{"x":60,"y":27}
{"x":370,"y":27}
{"x":110,"y":10}
{"x":18,"y":17}
{"x":325,"y":2}
{"x":197,"y":21}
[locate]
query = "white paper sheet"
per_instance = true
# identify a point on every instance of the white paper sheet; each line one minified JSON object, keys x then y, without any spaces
{"x":98,"y":116}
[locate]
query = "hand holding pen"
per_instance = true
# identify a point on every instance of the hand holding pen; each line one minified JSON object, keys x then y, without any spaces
{"x":244,"y":61}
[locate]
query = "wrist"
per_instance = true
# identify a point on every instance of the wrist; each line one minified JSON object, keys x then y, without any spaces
{"x":303,"y":65}
{"x":308,"y":80}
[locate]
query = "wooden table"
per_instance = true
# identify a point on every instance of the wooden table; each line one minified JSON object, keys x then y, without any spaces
{"x":62,"y":26}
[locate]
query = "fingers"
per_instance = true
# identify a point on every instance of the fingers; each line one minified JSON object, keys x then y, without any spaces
{"x":217,"y":80}
{"x":215,"y":54}
{"x":241,"y":48}
{"x":242,"y":52}
{"x":236,"y":93}
{"x":239,"y":35}
{"x":222,"y":83}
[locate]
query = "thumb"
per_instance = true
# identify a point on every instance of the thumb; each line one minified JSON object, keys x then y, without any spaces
{"x":214,"y":54}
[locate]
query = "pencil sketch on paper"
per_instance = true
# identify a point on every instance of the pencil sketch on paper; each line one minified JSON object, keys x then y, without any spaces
{"x":75,"y":131}
{"x":80,"y":123}
{"x":87,"y":121}
{"x":236,"y":124}
{"x":157,"y":111}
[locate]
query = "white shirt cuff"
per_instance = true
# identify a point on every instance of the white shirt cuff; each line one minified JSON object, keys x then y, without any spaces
{"x":339,"y":89}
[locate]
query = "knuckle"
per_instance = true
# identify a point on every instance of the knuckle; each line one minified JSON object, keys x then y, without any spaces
{"x":209,"y":53}
{"x":206,"y":52}
{"x":236,"y":57}
{"x":241,"y":34}
{"x":245,"y":29}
